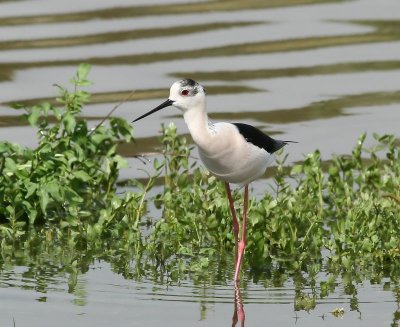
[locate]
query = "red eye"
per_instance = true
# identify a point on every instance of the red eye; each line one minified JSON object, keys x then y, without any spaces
{"x":184,"y":92}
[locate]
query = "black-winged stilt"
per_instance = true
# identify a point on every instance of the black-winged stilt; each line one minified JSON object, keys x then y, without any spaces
{"x":233,"y":152}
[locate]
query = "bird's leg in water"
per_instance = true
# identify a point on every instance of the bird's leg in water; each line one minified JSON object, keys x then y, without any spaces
{"x":242,"y":243}
{"x":238,"y":310}
{"x":235,"y":221}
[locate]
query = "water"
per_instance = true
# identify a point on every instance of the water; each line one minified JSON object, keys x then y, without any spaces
{"x":307,"y":72}
{"x":102,"y":298}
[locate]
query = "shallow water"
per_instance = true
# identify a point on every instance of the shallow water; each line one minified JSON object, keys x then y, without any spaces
{"x":319,"y":73}
{"x":102,"y":298}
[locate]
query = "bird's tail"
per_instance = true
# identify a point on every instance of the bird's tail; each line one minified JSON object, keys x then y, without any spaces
{"x":279,"y":144}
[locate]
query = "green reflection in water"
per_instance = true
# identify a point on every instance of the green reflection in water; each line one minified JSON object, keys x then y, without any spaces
{"x":109,"y":97}
{"x":169,"y":9}
{"x":340,"y":68}
{"x":5,"y":74}
{"x":317,"y":110}
{"x":119,"y":36}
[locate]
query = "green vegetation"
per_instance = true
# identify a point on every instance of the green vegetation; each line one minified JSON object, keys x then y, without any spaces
{"x":60,"y":211}
{"x":72,"y":173}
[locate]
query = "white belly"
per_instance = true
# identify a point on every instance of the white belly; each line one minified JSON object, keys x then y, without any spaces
{"x":231,"y":158}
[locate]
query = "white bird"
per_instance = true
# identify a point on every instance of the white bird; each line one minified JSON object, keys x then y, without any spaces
{"x":233,"y":152}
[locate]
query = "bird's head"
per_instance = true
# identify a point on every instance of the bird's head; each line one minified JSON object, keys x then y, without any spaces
{"x":185,"y":95}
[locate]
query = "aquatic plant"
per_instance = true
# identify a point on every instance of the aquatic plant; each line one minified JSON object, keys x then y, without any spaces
{"x":348,"y":206}
{"x":69,"y":179}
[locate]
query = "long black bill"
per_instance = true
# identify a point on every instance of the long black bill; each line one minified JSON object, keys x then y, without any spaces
{"x":161,"y":106}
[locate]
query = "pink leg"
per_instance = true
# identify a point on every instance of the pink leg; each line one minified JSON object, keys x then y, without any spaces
{"x":242,"y":243}
{"x":235,"y":221}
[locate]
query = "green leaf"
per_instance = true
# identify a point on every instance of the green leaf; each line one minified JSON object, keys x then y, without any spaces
{"x":4,"y":146}
{"x":34,"y":115}
{"x":17,"y":106}
{"x":43,"y":200}
{"x":52,"y":188}
{"x":296,"y":169}
{"x":70,"y":196}
{"x":10,"y":165}
{"x":30,"y":187}
{"x":82,"y":175}
{"x":99,"y":138}
{"x":69,"y":123}
{"x":83,"y":70}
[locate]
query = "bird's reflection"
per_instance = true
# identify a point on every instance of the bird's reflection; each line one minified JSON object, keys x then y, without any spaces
{"x":238,"y":310}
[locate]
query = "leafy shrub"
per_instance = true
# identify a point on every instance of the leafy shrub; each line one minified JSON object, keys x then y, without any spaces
{"x":70,"y":177}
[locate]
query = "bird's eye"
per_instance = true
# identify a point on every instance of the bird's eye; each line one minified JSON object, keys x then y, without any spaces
{"x":184,"y":92}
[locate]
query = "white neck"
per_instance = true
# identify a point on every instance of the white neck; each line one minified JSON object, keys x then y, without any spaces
{"x":197,"y":121}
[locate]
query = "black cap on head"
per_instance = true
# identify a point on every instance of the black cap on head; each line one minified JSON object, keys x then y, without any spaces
{"x":188,"y":82}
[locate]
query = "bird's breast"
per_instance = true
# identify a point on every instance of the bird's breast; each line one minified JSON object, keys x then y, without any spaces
{"x":229,"y":157}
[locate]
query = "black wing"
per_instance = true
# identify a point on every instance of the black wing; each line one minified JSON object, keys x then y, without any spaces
{"x":258,"y":138}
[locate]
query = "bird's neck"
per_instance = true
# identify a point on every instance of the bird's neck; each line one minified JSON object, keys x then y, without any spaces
{"x":197,"y":122}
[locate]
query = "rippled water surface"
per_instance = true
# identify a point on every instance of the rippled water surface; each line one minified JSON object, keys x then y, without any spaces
{"x":103,"y":298}
{"x":319,"y":72}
